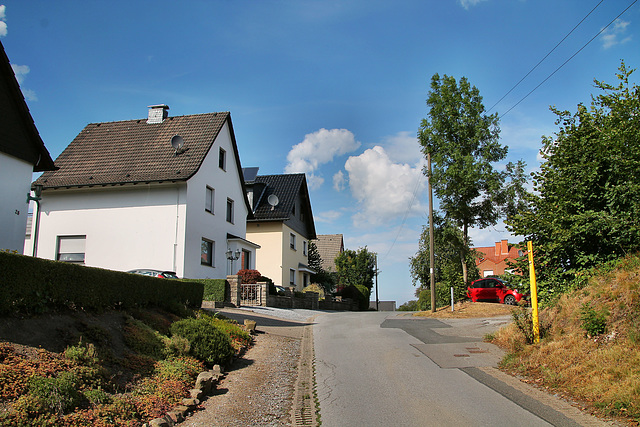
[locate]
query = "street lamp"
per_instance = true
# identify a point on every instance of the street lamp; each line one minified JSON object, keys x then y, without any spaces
{"x":232,"y":256}
{"x":37,"y":190}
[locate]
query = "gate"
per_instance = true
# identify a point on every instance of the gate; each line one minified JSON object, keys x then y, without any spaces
{"x":251,"y":295}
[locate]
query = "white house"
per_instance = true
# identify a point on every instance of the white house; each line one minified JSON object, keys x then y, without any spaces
{"x":282,"y":224}
{"x":22,"y":152}
{"x":161,"y":193}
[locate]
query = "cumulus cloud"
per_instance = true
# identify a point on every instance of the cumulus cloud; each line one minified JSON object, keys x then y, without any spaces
{"x":404,"y":147}
{"x":384,"y":189}
{"x":20,"y":71}
{"x":3,"y":25}
{"x":317,"y":149}
{"x":615,"y":35}
{"x":327,"y":216}
{"x":468,"y":3}
{"x":339,"y":181}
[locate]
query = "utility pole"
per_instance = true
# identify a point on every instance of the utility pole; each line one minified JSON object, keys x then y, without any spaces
{"x":377,"y":299}
{"x":432,"y":274}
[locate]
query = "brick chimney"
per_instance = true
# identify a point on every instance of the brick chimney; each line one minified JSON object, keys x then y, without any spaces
{"x":502,"y":247}
{"x":157,"y":113}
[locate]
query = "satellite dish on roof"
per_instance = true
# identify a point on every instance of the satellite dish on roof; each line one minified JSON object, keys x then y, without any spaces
{"x":177,"y":142}
{"x":273,"y":201}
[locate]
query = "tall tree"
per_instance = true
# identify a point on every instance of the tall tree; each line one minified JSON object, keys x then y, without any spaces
{"x":356,"y":267}
{"x":448,"y":242}
{"x":585,"y":208}
{"x":463,"y":141}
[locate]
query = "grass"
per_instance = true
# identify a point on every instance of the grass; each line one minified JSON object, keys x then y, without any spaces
{"x":591,"y":350}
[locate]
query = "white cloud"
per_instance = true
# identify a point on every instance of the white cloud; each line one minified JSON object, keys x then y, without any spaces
{"x":317,"y":149}
{"x":327,"y":216}
{"x":404,"y":147}
{"x":339,"y":181}
{"x":468,"y":3}
{"x":611,"y":36}
{"x":3,"y":25}
{"x":384,"y":189}
{"x":29,"y":95}
{"x":20,"y":71}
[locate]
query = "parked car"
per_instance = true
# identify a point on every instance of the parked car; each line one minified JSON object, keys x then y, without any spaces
{"x":155,"y":273}
{"x":492,"y":289}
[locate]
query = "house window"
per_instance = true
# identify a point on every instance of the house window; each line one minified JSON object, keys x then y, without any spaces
{"x":292,"y":241}
{"x":487,"y":273}
{"x":230,"y":211}
{"x":292,"y":277}
{"x":304,"y":247}
{"x":246,"y":259}
{"x":305,"y":280}
{"x":222,"y":159}
{"x":71,"y":249}
{"x":210,"y":197}
{"x":207,"y":251}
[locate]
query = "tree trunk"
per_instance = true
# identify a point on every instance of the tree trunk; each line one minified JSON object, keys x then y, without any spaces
{"x":463,"y":254}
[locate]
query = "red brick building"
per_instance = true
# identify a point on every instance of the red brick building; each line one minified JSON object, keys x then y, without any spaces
{"x":492,"y":260}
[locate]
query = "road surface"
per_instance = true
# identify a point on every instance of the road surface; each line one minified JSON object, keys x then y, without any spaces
{"x":390,"y":369}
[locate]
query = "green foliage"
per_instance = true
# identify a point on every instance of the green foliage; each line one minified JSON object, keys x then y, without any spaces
{"x":356,"y":268}
{"x":585,"y":208}
{"x":206,"y":341}
{"x":53,"y":395}
{"x":593,"y":321}
{"x":463,"y":142}
{"x":143,"y":339}
{"x":34,"y":285}
{"x":214,"y":289}
{"x":411,"y":305}
{"x":523,"y":319}
{"x":239,"y":336}
{"x":314,"y":287}
{"x":449,"y":244}
{"x":358,"y":293}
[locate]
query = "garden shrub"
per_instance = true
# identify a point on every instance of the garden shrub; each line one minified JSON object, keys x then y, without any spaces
{"x":206,"y":341}
{"x":239,"y":336}
{"x":142,"y":339}
{"x":214,"y":289}
{"x":249,"y":276}
{"x":358,"y":293}
{"x":314,"y":287}
{"x":593,"y":321}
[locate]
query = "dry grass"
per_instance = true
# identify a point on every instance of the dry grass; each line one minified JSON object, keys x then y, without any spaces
{"x":603,"y":371}
{"x":468,"y":309}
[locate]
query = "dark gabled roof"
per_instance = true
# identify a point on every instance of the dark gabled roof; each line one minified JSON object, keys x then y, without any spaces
{"x":134,"y":151}
{"x":19,"y":136}
{"x":287,"y":188}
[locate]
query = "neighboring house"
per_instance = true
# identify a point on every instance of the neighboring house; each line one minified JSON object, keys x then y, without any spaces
{"x":162,"y":193}
{"x":22,"y":152}
{"x":492,"y":260}
{"x":329,"y":247}
{"x":282,"y":225}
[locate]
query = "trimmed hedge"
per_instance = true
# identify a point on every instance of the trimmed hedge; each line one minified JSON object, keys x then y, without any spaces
{"x":214,"y":289}
{"x":35,"y":285}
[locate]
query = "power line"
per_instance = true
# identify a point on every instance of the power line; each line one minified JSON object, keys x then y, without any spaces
{"x":570,"y":58}
{"x":545,"y":57}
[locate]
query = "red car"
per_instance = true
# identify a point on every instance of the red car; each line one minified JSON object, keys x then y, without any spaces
{"x":492,"y":289}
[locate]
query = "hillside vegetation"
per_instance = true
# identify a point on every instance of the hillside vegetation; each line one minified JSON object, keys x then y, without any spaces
{"x":590,"y":344}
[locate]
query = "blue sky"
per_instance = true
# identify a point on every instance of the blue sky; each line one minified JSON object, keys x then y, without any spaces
{"x":335,"y":89}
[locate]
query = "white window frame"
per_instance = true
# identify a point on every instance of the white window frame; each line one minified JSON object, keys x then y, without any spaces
{"x":230,"y":211}
{"x":77,"y":244}
{"x":209,"y":201}
{"x":212,"y":252}
{"x":305,"y":246}
{"x":292,"y":241}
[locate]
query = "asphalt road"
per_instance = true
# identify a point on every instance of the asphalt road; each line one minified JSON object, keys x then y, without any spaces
{"x":386,"y":369}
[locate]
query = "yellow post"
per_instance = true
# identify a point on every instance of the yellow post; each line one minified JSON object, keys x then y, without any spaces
{"x":534,"y":295}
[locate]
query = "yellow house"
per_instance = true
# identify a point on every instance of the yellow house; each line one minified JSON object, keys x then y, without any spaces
{"x":282,"y":225}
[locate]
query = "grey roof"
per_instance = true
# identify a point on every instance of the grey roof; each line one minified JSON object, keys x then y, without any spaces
{"x":329,"y":246}
{"x":19,"y":136}
{"x":133,"y":151}
{"x":287,"y":188}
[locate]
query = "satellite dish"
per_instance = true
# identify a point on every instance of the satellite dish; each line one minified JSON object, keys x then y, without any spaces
{"x":273,"y":201}
{"x":177,"y":142}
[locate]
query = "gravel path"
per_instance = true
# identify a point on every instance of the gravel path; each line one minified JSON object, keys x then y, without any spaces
{"x":257,"y":390}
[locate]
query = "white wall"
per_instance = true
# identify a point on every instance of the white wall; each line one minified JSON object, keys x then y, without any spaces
{"x":214,"y":226}
{"x":269,"y":257}
{"x":15,"y":176}
{"x":129,"y":227}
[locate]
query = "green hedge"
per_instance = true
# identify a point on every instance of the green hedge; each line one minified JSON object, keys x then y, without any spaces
{"x":214,"y":289}
{"x":35,"y":285}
